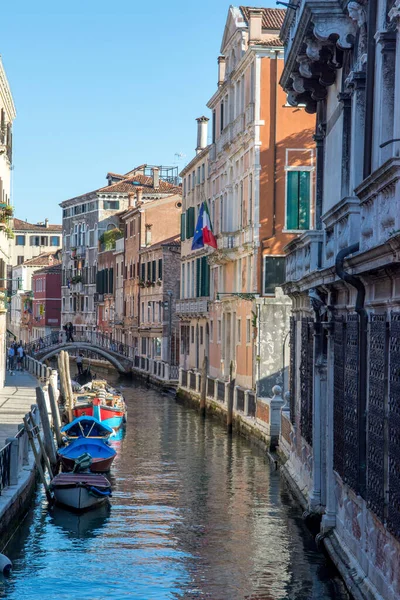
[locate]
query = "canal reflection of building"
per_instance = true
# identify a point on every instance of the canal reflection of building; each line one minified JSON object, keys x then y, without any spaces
{"x":85,"y":525}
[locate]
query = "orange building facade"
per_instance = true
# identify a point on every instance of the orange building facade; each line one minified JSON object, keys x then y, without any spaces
{"x":261,"y":175}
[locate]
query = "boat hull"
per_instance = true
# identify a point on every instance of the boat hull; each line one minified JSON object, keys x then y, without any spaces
{"x":99,"y":465}
{"x":80,"y":491}
{"x":101,"y":453}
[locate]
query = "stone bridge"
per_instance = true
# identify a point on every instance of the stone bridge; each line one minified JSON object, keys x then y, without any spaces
{"x":121,"y":356}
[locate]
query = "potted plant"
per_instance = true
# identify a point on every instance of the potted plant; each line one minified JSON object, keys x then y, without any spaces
{"x":142,"y":283}
{"x":159,"y":282}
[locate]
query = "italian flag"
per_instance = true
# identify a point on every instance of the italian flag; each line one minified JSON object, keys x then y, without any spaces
{"x":208,"y":236}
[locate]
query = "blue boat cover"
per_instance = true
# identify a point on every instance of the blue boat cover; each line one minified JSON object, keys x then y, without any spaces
{"x":96,"y":449}
{"x":87,"y":427}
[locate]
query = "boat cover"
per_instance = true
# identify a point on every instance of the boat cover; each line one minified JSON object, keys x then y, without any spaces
{"x":87,"y":427}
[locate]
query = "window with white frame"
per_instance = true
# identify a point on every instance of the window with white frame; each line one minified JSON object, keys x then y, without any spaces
{"x":219,"y":331}
{"x":298,"y":199}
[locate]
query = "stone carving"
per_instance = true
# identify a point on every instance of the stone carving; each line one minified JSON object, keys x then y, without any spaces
{"x":298,"y":83}
{"x":343,"y":27}
{"x":313,"y":48}
{"x":358,"y":15}
{"x":394,"y":13}
{"x":304,"y":66}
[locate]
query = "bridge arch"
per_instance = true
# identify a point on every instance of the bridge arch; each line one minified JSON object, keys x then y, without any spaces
{"x":48,"y":353}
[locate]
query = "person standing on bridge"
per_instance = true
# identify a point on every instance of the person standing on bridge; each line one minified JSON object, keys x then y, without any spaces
{"x":11,"y":358}
{"x":79,"y":363}
{"x":20,"y":357}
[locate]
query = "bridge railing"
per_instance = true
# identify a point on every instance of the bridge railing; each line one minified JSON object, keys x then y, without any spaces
{"x":158,"y":368}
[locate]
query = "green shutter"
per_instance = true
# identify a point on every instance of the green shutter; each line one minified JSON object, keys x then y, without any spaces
{"x":148,"y":271}
{"x":292,"y":201}
{"x":183,"y":227}
{"x":205,"y":277}
{"x":160,"y":268}
{"x":198,"y":277}
{"x":153,"y":270}
{"x":304,"y":199}
{"x":111,"y":281}
{"x":143,"y":269}
{"x":190,"y":222}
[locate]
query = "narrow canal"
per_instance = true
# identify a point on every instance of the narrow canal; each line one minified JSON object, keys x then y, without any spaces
{"x":194,"y":514}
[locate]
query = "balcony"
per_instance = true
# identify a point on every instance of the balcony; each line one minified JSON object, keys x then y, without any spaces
{"x":225,"y":139}
{"x":342,"y":225}
{"x":80,"y":252}
{"x":380,"y":205}
{"x":119,"y":245}
{"x":192,"y":307}
{"x":303,"y":255}
{"x":238,"y":127}
{"x":249,"y":114}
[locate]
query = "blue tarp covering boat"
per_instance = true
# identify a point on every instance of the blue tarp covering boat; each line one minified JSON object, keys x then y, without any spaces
{"x":87,"y":427}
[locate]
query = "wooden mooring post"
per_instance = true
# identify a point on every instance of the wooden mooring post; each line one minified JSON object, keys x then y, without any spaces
{"x":28,"y":420}
{"x":68,"y":384}
{"x":203,"y":389}
{"x":47,"y":433}
{"x":229,"y":417}
{"x":56,"y":415}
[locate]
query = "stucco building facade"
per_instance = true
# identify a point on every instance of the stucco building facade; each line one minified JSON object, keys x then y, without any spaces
{"x":261,"y":169}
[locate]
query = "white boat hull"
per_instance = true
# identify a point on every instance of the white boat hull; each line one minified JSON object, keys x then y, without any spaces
{"x":78,"y":498}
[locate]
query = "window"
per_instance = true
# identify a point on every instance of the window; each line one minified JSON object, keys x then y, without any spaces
{"x":248,"y":330}
{"x":184,"y":186}
{"x":192,"y":328}
{"x":219,"y":331}
{"x":153,"y":270}
{"x":203,"y":172}
{"x":213,"y":127}
{"x":144,"y":345}
{"x":193,"y":179}
{"x":201,"y":335}
{"x":274,"y":273}
{"x":20,"y":240}
{"x":111,"y":204}
{"x":20,"y":260}
{"x":189,"y":182}
{"x":157,"y":347}
{"x":183,"y":281}
{"x":142,"y":312}
{"x":211,"y":330}
{"x":160,"y":268}
{"x":54,"y":240}
{"x":298,"y":193}
{"x":34,"y":240}
{"x":239,"y":331}
{"x":251,"y":199}
{"x":221,"y":116}
{"x":131,"y":228}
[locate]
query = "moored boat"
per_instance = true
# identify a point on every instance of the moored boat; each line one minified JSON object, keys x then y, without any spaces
{"x":101,"y":453}
{"x":102,"y":402}
{"x":80,"y":491}
{"x":87,"y":427}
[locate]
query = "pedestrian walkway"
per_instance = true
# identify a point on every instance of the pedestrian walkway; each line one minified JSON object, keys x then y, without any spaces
{"x":16,"y":399}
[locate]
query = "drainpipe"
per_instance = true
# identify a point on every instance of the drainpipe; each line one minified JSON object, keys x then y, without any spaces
{"x":370,"y":87}
{"x":355,"y":282}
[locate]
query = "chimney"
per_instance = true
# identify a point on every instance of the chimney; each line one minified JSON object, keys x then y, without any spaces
{"x":131,"y":200}
{"x":255,"y":24}
{"x":221,"y":70}
{"x":139,"y":195}
{"x":202,"y":128}
{"x":46,"y":223}
{"x":156,"y":178}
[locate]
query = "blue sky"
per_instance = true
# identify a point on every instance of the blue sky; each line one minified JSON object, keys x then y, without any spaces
{"x":104,"y":86}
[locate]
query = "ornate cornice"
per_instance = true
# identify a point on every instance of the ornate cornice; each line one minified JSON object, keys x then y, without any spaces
{"x":322,"y":32}
{"x":6,"y":93}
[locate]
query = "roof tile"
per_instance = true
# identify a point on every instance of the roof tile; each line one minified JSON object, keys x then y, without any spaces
{"x":272,"y":18}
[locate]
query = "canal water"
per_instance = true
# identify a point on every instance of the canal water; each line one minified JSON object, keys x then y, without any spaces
{"x":195,"y":514}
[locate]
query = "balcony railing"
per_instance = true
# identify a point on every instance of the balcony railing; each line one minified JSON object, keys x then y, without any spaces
{"x":249,"y":114}
{"x":304,"y":255}
{"x":192,"y":307}
{"x":225,"y":138}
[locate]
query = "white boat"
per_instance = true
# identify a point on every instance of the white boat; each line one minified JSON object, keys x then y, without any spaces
{"x":80,"y":491}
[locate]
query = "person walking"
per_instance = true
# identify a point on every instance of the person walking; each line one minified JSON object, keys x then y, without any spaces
{"x":79,"y":363}
{"x":70,"y":330}
{"x":11,"y":358}
{"x":20,"y":358}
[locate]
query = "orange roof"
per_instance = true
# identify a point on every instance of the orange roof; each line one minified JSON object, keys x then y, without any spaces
{"x":129,"y":185}
{"x":44,"y":259}
{"x":272,"y":18}
{"x":24,"y":226}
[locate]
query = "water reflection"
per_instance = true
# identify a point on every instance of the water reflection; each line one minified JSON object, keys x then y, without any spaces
{"x":83,"y":525}
{"x":195,"y":514}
